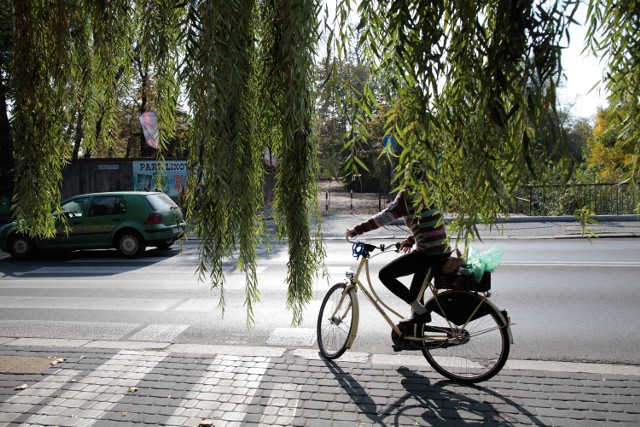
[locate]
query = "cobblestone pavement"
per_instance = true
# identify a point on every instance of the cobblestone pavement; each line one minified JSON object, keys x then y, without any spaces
{"x":107,"y":387}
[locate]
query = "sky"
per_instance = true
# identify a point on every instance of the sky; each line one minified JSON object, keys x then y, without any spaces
{"x":582,"y":70}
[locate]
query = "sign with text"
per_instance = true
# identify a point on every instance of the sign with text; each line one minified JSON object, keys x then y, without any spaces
{"x":148,"y":173}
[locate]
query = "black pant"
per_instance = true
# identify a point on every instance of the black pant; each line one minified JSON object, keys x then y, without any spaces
{"x":416,"y":263}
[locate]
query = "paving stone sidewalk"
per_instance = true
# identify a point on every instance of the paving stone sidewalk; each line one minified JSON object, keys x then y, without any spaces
{"x":101,"y":387}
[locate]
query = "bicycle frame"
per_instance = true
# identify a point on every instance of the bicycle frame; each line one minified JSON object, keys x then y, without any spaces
{"x":355,"y":284}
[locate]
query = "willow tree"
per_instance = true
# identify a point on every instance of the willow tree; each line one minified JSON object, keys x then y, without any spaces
{"x":471,"y":85}
{"x":613,"y":36}
{"x":247,"y":70}
{"x":472,"y":88}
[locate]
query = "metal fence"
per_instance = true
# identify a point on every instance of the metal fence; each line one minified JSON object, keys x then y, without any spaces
{"x":532,"y":200}
{"x":601,"y":199}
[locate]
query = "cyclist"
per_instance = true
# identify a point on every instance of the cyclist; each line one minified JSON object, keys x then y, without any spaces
{"x":427,"y":245}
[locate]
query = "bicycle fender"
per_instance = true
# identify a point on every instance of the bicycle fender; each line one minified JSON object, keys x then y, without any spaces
{"x":355,"y":307}
{"x":504,"y":319}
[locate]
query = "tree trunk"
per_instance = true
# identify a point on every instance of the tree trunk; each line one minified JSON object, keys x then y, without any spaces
{"x":7,"y":161}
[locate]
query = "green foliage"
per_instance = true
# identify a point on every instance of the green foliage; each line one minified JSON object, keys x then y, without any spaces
{"x":224,"y":189}
{"x":289,"y":36}
{"x":159,"y":43}
{"x":41,"y":40}
{"x":472,"y":94}
{"x":613,"y":36}
{"x":611,"y":157}
{"x":470,"y":87}
{"x":248,"y":73}
{"x":6,"y":141}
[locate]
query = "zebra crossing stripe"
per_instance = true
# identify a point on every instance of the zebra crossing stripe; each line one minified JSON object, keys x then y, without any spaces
{"x":34,"y":395}
{"x":135,"y":383}
{"x":76,"y":397}
{"x":224,"y":391}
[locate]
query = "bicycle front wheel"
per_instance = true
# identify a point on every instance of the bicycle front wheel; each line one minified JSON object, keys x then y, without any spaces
{"x":468,"y":338}
{"x":337,"y":321}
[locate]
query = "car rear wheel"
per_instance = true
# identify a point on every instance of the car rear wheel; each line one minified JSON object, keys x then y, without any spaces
{"x":21,"y":247}
{"x":130,"y":244}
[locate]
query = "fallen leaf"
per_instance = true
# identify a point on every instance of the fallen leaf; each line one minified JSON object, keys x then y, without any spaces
{"x":206,"y":423}
{"x":123,"y":413}
{"x":132,"y":389}
{"x":55,"y":360}
{"x":21,"y":387}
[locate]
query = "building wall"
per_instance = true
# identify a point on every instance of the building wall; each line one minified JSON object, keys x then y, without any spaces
{"x":99,"y":175}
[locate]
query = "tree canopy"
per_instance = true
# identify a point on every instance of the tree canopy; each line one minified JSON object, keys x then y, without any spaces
{"x":471,"y":96}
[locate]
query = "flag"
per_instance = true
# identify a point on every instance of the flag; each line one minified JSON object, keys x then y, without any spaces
{"x":149,"y":122}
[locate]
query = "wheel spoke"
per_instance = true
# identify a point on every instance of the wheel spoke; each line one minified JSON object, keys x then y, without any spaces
{"x":473,"y":354}
{"x":334,"y":329}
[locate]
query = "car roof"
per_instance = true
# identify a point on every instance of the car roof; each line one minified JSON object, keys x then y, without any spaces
{"x":116,"y":193}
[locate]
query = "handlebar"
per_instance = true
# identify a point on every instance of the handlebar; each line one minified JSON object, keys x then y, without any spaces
{"x":359,"y":248}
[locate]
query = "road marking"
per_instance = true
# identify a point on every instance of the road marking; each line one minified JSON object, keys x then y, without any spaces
{"x":112,"y":270}
{"x":197,"y":306}
{"x":292,"y":337}
{"x":41,"y":391}
{"x":189,"y":271}
{"x":570,"y":264}
{"x":78,"y":303}
{"x":283,"y":404}
{"x":66,"y":330}
{"x":158,"y":333}
{"x":237,"y":379}
{"x":73,"y":403}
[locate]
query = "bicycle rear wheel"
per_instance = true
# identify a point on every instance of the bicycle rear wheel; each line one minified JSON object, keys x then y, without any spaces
{"x":337,"y":321}
{"x":468,"y":353}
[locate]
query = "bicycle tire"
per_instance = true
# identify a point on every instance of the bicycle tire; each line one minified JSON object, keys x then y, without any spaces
{"x":480,"y":350}
{"x":334,"y":332}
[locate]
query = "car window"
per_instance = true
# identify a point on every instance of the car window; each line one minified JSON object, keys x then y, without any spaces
{"x":120,"y":206}
{"x":160,"y":201}
{"x":107,"y":205}
{"x":75,"y":206}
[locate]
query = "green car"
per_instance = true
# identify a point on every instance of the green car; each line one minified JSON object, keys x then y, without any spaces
{"x":128,"y":221}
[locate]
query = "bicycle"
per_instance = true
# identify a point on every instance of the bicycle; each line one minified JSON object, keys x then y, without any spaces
{"x":467,"y":340}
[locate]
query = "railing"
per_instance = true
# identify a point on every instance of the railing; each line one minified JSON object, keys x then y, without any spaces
{"x":601,"y":199}
{"x":532,"y":200}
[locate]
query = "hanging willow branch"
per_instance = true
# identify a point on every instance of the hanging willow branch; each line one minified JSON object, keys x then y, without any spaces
{"x":40,"y":74}
{"x":161,"y":28}
{"x":613,"y":36}
{"x":472,"y":93}
{"x":471,"y":97}
{"x":224,"y":187}
{"x":289,"y":40}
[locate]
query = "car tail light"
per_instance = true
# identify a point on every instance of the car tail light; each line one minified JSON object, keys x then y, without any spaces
{"x":154,"y":218}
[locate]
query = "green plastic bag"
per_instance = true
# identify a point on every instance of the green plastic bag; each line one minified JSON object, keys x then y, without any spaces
{"x":480,"y":262}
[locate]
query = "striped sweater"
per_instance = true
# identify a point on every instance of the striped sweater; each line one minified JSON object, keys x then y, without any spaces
{"x":427,"y":227}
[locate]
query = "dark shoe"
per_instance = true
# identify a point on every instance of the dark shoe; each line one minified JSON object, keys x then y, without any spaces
{"x":416,"y":318}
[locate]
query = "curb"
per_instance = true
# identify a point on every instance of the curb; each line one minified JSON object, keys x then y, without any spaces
{"x":56,"y":344}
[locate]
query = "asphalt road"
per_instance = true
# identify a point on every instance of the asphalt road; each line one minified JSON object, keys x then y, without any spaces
{"x":571,"y":300}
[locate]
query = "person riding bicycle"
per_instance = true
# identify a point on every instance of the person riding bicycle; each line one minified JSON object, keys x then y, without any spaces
{"x":428,"y":245}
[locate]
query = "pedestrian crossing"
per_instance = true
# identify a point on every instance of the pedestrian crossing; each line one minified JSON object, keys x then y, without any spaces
{"x":160,"y":300}
{"x":131,"y":386}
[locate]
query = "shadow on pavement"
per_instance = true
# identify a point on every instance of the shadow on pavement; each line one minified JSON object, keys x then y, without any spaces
{"x":463,"y":403}
{"x":421,"y":402}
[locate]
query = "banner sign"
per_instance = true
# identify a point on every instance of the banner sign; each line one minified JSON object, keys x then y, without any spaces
{"x":149,"y":123}
{"x":173,"y":176}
